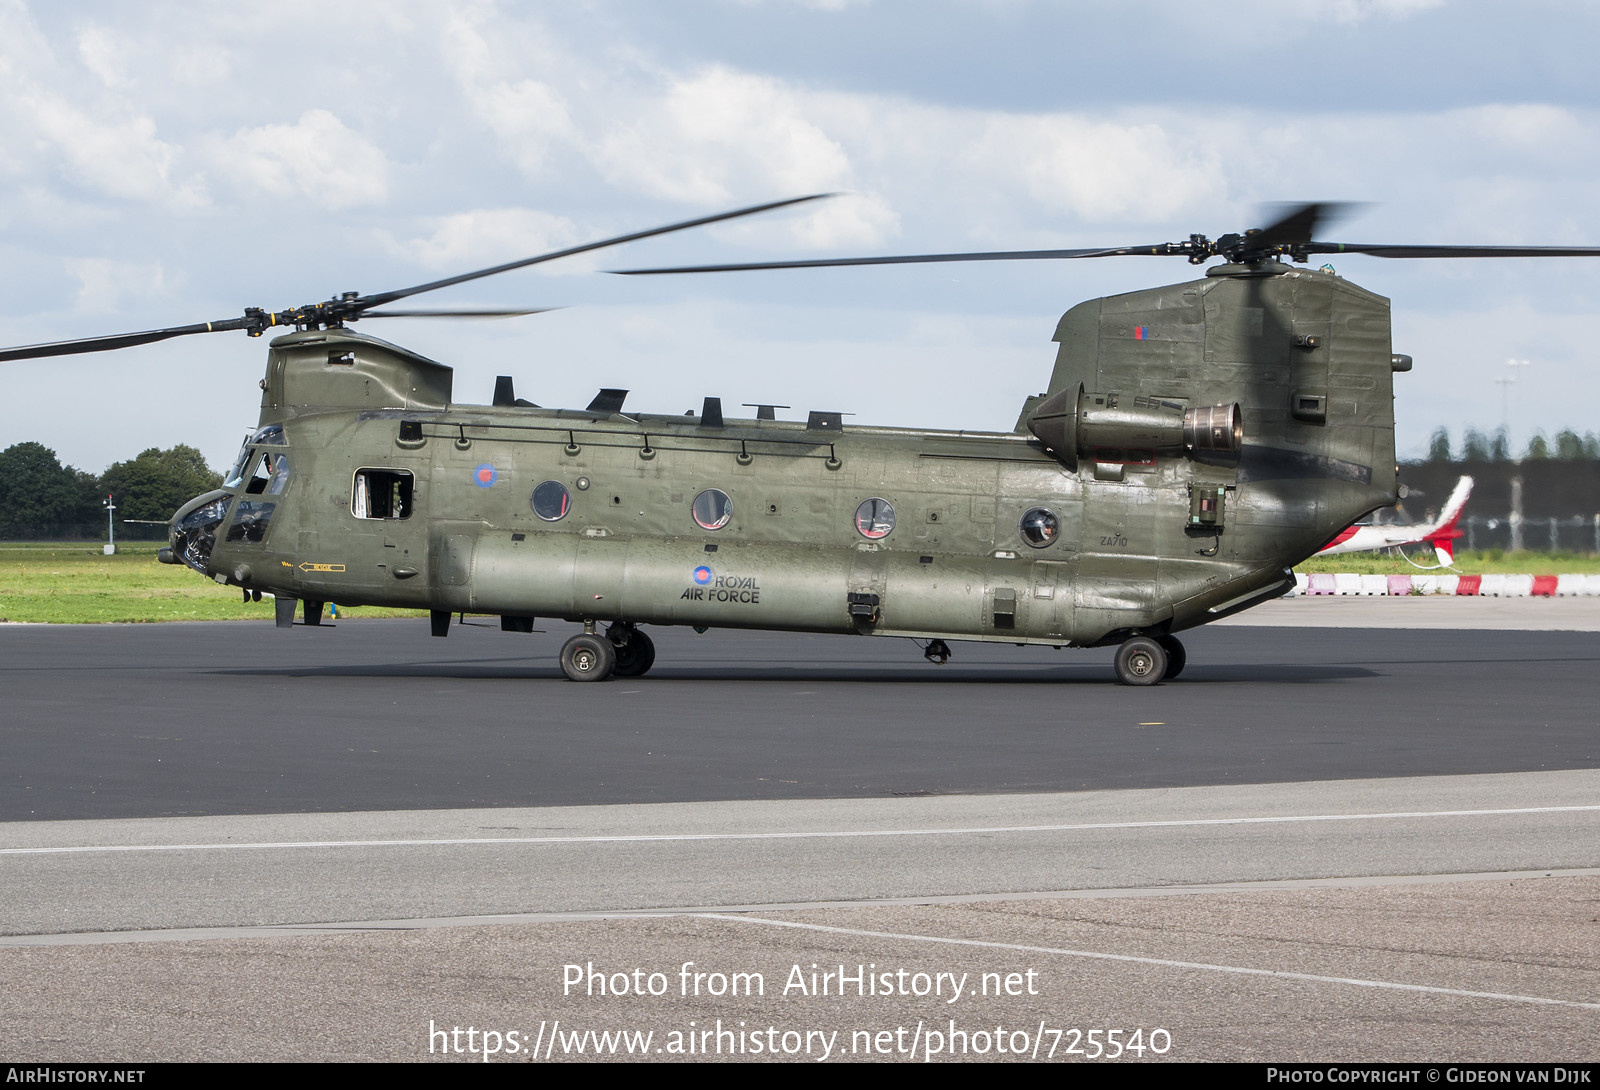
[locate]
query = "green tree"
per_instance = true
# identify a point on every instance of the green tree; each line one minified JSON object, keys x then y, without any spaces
{"x":40,"y":497}
{"x":1538,"y":446}
{"x":1439,"y":445}
{"x":158,"y":482}
{"x":1569,"y":444}
{"x":1475,"y":446}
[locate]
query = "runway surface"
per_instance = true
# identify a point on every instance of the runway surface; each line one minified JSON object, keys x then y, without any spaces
{"x":225,"y":841}
{"x":147,"y":721}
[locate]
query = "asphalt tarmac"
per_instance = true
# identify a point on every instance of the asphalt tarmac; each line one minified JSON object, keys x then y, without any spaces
{"x":226,"y":841}
{"x":107,"y":721}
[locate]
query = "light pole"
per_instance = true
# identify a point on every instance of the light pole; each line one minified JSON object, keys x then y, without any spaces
{"x":1516,"y":476}
{"x":111,"y":526}
{"x":1516,"y":369}
{"x":1505,"y":385}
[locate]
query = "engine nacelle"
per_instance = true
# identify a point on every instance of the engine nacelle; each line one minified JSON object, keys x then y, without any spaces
{"x":1076,"y":424}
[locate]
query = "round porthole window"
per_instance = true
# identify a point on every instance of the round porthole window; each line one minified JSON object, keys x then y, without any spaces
{"x":1040,"y":526}
{"x":552,"y":501}
{"x":712,"y":509}
{"x":875,"y":518}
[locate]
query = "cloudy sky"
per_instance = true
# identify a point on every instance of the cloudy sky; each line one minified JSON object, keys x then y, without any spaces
{"x":165,"y":163}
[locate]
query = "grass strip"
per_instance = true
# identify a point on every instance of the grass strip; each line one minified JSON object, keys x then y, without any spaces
{"x":73,"y":583}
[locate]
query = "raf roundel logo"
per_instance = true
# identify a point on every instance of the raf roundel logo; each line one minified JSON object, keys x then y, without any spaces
{"x":702,"y":575}
{"x":485,"y":476}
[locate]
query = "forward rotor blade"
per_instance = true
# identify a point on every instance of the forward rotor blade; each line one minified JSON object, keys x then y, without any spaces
{"x":1380,"y":250}
{"x":352,"y":307}
{"x":116,"y":340}
{"x":907,"y":259}
{"x":456,"y":313}
{"x":391,"y":296}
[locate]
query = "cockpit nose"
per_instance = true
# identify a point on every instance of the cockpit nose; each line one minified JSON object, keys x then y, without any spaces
{"x":194,"y":530}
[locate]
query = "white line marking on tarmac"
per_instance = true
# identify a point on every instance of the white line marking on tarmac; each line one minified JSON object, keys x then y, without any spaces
{"x":261,"y":931}
{"x":628,"y":838}
{"x":1238,"y":970}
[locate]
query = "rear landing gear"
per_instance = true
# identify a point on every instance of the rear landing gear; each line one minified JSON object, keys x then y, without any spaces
{"x":1176,"y":658}
{"x":588,"y":657}
{"x":635,"y":651}
{"x":1141,"y":661}
{"x":937,"y":652}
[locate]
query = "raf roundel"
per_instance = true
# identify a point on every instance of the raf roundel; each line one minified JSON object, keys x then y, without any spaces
{"x":485,"y":476}
{"x":702,"y":575}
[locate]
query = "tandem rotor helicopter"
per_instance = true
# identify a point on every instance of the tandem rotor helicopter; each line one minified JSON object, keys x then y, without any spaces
{"x":1194,"y":443}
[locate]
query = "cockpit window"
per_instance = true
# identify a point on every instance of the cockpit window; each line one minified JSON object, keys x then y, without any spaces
{"x":381,"y":494}
{"x":250,"y":522}
{"x":236,"y":474}
{"x":195,"y":534}
{"x":269,"y":436}
{"x":277,"y":466}
{"x":259,"y":474}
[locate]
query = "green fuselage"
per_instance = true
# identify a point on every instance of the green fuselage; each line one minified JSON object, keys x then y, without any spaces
{"x":394,"y":495}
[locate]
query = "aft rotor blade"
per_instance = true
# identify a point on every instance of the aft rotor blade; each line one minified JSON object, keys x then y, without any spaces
{"x":1296,"y":224}
{"x":1383,"y":250}
{"x":456,"y":313}
{"x":115,"y":340}
{"x":909,"y":259}
{"x":391,"y":296}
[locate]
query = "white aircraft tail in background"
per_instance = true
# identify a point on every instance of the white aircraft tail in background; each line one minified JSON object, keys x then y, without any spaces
{"x":1441,"y":534}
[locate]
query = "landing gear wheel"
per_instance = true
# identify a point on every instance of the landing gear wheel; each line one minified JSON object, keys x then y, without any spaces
{"x":1141,"y":661}
{"x":588,"y":658}
{"x":1176,"y":657}
{"x":636,"y":655}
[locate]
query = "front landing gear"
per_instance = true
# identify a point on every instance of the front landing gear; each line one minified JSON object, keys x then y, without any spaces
{"x":1141,"y":661}
{"x":588,"y":657}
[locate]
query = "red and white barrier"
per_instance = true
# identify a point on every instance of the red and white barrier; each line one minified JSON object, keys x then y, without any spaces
{"x":1494,"y":585}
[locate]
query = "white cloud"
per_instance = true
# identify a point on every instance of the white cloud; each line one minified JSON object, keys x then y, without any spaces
{"x":719,"y":133}
{"x":490,"y":236}
{"x":586,"y":110}
{"x":1098,"y":170}
{"x":317,"y":158}
{"x":1357,"y":11}
{"x":199,"y":65}
{"x":813,"y":5}
{"x":121,"y":156}
{"x":1533,"y":126}
{"x":105,"y":284}
{"x":527,"y":115}
{"x":100,"y":55}
{"x":854,"y":219}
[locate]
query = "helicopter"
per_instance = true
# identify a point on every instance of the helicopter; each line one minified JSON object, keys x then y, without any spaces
{"x":1194,"y":442}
